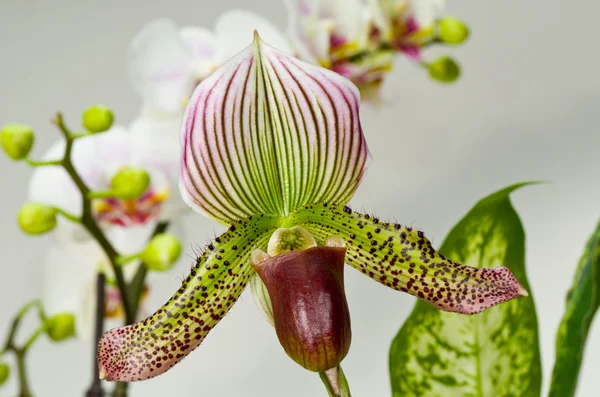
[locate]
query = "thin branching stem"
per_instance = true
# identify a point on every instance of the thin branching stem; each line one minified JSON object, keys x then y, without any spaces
{"x":20,"y":351}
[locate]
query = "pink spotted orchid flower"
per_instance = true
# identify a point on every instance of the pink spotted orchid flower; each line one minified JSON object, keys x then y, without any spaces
{"x":360,"y":39}
{"x":273,"y":147}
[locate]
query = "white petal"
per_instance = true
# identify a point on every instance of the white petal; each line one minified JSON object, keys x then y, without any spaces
{"x":112,"y":150}
{"x":379,"y":15}
{"x":68,"y":276}
{"x":348,"y":16}
{"x":53,"y":186}
{"x":159,"y":64}
{"x":235,"y":31}
{"x":95,"y":158}
{"x":155,"y":144}
{"x":427,"y":11}
{"x":312,"y":24}
{"x":202,"y":44}
{"x":156,"y":148}
{"x":132,"y":239}
{"x":312,"y":38}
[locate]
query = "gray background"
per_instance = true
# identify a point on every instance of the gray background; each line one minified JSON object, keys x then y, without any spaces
{"x":527,"y":108}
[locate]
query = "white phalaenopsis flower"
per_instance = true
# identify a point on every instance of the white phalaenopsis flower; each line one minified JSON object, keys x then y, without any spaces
{"x":359,"y":39}
{"x":75,"y":258}
{"x":166,"y":62}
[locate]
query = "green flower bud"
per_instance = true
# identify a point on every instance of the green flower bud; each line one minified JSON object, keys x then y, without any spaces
{"x":97,"y":119}
{"x":452,"y":30}
{"x":4,"y":373}
{"x":61,"y":326}
{"x":444,"y":69}
{"x":17,"y":140}
{"x":162,"y":252}
{"x":36,"y":218}
{"x":130,"y":183}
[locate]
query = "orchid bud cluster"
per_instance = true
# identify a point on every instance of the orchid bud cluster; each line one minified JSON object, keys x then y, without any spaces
{"x":58,"y":328}
{"x":107,"y":200}
{"x":360,"y":40}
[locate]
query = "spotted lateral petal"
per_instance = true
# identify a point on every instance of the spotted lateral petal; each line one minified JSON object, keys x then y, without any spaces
{"x":403,"y":259}
{"x":156,"y":344}
{"x":494,"y":353}
{"x":267,"y":134}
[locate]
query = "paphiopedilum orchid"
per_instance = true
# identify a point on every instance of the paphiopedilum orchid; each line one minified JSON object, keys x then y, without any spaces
{"x":359,"y":39}
{"x":273,"y":147}
{"x":127,"y":223}
{"x":166,"y":62}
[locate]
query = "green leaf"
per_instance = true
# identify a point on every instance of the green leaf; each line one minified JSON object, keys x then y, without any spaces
{"x":491,"y":354}
{"x":583,"y":301}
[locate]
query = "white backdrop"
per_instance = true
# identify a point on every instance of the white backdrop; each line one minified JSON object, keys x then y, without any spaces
{"x":527,"y":108}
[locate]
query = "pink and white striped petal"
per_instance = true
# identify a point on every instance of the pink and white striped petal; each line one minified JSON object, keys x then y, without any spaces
{"x":267,"y":134}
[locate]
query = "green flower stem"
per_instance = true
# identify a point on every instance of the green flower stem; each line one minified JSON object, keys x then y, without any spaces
{"x":20,"y":351}
{"x":130,"y":293}
{"x":125,"y":259}
{"x":137,"y":283}
{"x":335,"y":383}
{"x":388,"y":46}
{"x":88,"y":221}
{"x":77,"y":135}
{"x":35,"y":163}
{"x":99,"y":194}
{"x":95,"y":389}
{"x":120,"y":389}
{"x":31,"y":340}
{"x":24,"y":390}
{"x":10,"y":340}
{"x":67,"y":215}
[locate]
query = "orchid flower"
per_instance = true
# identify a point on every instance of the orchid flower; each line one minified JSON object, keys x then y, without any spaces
{"x":360,"y":40}
{"x":166,"y":62}
{"x":128,"y":224}
{"x":273,"y":147}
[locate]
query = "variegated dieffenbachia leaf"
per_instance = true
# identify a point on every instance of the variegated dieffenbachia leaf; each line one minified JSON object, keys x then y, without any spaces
{"x":491,"y":354}
{"x":583,"y":301}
